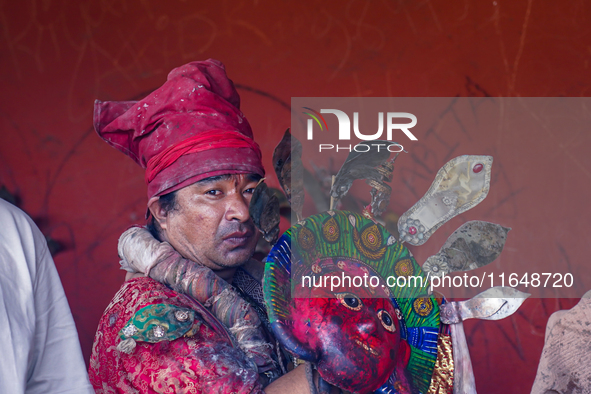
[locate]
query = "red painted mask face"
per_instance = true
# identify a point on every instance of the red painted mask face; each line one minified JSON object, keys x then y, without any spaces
{"x":330,"y":302}
{"x":356,"y":339}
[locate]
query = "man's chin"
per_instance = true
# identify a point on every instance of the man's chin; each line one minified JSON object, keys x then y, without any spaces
{"x":236,"y":257}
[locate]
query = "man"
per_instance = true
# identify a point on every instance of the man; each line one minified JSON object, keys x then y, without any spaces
{"x":39,"y":347}
{"x":202,"y":166}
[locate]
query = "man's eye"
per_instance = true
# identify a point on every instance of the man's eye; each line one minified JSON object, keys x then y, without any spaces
{"x":249,"y":190}
{"x":213,"y":192}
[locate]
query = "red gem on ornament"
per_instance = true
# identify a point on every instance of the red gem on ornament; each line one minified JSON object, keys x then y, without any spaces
{"x":412,"y":230}
{"x":477,"y":168}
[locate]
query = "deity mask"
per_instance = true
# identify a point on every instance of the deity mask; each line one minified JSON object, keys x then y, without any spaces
{"x":360,"y":334}
{"x":354,"y":340}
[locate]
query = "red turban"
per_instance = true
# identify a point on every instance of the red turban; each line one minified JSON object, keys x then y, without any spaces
{"x":189,"y":129}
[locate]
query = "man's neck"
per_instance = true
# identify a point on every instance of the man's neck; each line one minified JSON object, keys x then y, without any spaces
{"x":226,"y":274}
{"x":254,"y":267}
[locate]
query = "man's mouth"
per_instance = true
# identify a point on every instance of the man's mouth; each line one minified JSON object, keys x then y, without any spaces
{"x":238,"y":238}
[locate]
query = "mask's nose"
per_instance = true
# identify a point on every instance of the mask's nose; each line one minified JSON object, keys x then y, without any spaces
{"x":366,"y":328}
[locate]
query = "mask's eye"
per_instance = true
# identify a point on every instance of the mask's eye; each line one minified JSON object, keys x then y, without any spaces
{"x":350,"y":301}
{"x":386,"y":320}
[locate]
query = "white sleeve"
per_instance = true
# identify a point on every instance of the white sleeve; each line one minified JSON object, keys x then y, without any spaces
{"x":39,"y":347}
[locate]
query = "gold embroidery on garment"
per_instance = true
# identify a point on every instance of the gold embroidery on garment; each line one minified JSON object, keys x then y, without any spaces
{"x":331,"y":231}
{"x":404,"y":268}
{"x":442,"y":381}
{"x":369,"y":242}
{"x":423,"y":306}
{"x":306,"y":239}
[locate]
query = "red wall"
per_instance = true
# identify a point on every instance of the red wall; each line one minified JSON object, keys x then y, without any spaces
{"x":58,"y":56}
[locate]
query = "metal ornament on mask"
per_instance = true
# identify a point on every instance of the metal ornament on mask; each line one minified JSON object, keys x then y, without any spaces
{"x":460,"y":184}
{"x":473,"y":245}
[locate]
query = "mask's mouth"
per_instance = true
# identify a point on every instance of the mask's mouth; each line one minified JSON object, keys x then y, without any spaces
{"x":367,"y":348}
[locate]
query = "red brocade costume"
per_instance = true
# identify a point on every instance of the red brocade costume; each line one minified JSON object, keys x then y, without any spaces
{"x":206,"y":361}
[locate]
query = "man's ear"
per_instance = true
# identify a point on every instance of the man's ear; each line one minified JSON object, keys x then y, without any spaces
{"x":157,"y":212}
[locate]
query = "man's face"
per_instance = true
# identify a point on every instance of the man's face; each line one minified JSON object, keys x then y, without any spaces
{"x":211,"y":224}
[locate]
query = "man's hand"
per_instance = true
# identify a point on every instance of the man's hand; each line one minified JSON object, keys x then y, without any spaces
{"x":295,"y":382}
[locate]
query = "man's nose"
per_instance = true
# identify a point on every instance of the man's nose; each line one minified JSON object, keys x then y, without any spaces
{"x":237,"y":208}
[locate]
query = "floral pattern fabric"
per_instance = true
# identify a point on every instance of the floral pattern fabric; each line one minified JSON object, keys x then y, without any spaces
{"x":205,"y":362}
